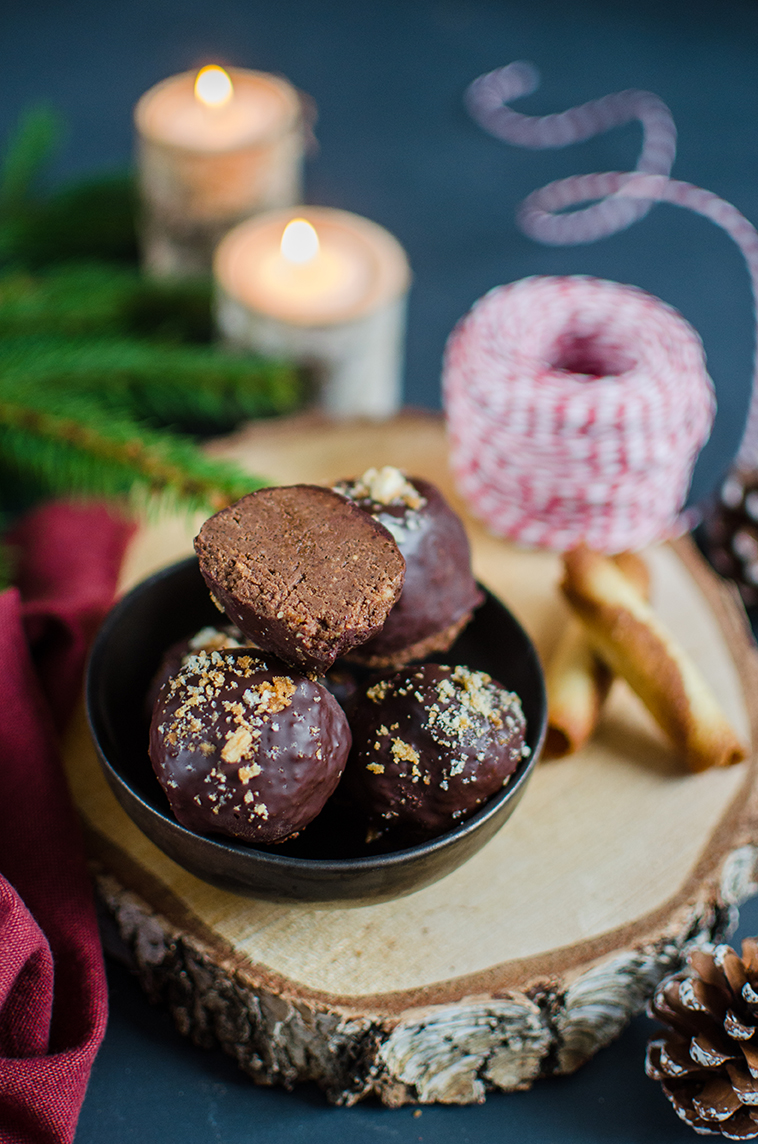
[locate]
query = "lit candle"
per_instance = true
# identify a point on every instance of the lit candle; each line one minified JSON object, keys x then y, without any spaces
{"x":324,"y":288}
{"x":214,"y":147}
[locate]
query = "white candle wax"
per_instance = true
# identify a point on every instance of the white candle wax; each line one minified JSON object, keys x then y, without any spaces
{"x":324,"y":287}
{"x":213,"y":148}
{"x":258,"y":107}
{"x":334,"y":300}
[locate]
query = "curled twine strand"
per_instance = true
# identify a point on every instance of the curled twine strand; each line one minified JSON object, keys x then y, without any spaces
{"x":618,"y":198}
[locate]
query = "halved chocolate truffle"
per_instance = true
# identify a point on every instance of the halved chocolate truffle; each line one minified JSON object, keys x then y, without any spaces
{"x":430,"y":745}
{"x":439,"y":593}
{"x":300,"y":570}
{"x":242,"y":745}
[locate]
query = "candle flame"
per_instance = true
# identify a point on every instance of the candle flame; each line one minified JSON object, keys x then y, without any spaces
{"x":213,"y":87}
{"x":299,"y":241}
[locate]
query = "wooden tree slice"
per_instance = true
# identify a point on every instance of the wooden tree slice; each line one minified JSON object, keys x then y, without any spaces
{"x":532,"y":955}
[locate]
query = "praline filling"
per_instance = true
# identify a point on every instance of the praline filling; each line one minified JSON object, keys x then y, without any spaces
{"x":430,"y":745}
{"x":246,"y":746}
{"x":301,"y":571}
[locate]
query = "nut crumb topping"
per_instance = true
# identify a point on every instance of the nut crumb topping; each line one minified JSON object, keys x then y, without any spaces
{"x":213,"y":639}
{"x":383,"y":486}
{"x":246,"y":773}
{"x":276,"y":696}
{"x":237,"y":745}
{"x":405,"y":752}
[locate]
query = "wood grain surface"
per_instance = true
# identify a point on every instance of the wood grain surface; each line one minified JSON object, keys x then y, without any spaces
{"x":537,"y":950}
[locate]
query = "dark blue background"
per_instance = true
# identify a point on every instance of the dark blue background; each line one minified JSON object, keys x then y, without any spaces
{"x":397,"y":147}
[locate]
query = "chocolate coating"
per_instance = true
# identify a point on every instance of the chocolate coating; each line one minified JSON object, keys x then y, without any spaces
{"x":342,"y":684}
{"x":439,"y":593}
{"x":430,"y":745}
{"x":244,"y":746}
{"x":301,"y":571}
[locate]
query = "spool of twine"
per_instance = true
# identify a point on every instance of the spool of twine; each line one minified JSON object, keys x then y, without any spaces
{"x":577,"y":407}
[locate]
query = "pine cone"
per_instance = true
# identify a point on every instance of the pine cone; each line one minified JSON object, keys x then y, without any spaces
{"x":708,"y":1060}
{"x":730,"y":532}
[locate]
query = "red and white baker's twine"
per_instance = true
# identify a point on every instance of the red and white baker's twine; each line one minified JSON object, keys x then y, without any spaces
{"x":577,"y":407}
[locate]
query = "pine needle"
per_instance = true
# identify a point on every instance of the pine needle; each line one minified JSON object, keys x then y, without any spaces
{"x":27,"y":152}
{"x":89,"y":220}
{"x":94,"y":357}
{"x":81,"y":298}
{"x":194,"y":388}
{"x":74,"y":446}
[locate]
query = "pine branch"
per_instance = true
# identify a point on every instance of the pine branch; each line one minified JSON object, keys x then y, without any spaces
{"x":81,"y":298}
{"x":28,"y":150}
{"x":199,"y":389}
{"x":91,"y":350}
{"x":89,"y":220}
{"x":74,"y":446}
{"x":73,"y":300}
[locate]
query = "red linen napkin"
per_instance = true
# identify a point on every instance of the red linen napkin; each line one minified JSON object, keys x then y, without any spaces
{"x":53,"y":996}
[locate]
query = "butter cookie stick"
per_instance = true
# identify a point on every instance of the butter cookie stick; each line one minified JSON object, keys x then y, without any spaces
{"x":577,"y":680}
{"x":630,"y":638}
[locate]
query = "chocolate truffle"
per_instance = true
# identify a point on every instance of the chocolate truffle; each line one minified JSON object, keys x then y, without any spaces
{"x":430,"y":745}
{"x":302,"y":571}
{"x":242,"y":745}
{"x":440,"y":592}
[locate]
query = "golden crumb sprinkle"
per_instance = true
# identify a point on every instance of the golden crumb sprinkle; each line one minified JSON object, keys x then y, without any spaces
{"x":387,"y":485}
{"x":237,"y":745}
{"x":404,"y":752}
{"x":377,"y":768}
{"x":277,"y":695}
{"x":211,"y":639}
{"x":245,"y":774}
{"x":379,"y":691}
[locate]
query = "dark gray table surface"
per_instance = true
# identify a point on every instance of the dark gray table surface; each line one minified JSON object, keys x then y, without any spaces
{"x":150,"y":1086}
{"x":397,"y":147}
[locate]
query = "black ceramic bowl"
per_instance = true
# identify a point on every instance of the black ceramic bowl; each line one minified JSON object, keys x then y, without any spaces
{"x":175,"y":603}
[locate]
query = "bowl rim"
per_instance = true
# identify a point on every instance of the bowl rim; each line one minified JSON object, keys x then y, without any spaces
{"x":314,"y":866}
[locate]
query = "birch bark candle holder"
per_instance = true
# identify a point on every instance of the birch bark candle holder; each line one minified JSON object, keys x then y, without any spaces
{"x":213,"y":148}
{"x":326,"y":289}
